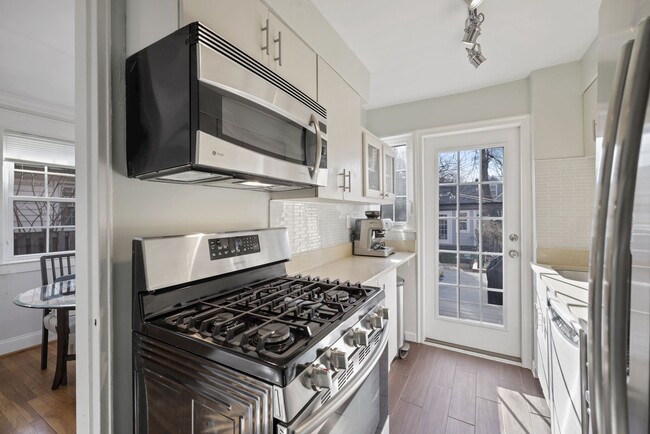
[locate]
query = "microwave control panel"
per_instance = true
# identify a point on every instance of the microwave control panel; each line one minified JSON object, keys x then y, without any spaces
{"x":221,"y":248}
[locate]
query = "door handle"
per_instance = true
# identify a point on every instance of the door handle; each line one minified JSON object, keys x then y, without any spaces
{"x":266,"y":30}
{"x":513,"y":237}
{"x":319,"y":147}
{"x":513,"y":253}
{"x":618,"y":269}
{"x":597,"y":393}
{"x":279,"y":42}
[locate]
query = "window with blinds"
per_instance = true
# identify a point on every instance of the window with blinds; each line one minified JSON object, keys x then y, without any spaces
{"x":40,"y":195}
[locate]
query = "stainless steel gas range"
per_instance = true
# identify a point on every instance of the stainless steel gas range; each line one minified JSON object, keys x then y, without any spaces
{"x":225,"y":342}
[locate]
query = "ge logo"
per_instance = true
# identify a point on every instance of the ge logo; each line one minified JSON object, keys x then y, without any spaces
{"x":214,"y":152}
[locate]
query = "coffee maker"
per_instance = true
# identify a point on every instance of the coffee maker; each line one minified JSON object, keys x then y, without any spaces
{"x":369,"y":235}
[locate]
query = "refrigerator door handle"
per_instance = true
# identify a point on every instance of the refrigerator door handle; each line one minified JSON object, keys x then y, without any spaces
{"x":623,"y":187}
{"x":594,"y":344}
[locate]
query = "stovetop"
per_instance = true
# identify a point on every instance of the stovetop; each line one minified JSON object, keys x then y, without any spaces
{"x":273,"y":320}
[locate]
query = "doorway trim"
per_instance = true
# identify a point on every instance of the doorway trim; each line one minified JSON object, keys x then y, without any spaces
{"x":521,"y":122}
{"x":94,"y":215}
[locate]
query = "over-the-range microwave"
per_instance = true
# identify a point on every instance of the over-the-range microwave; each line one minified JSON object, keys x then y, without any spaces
{"x":199,"y":110}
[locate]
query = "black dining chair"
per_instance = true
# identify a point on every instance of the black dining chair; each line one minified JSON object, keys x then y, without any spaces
{"x":54,"y":268}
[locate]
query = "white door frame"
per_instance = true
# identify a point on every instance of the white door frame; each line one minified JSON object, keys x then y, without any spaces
{"x":93,"y":215}
{"x":527,"y":233}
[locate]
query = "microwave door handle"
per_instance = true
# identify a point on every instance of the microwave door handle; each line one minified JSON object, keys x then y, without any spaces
{"x":319,"y":147}
{"x":594,"y":344}
{"x":320,"y":417}
{"x":624,"y":184}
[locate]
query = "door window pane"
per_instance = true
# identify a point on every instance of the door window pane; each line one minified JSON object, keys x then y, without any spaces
{"x":492,"y":272}
{"x":468,"y":199}
{"x":492,"y":200}
{"x":448,"y":268}
{"x":469,"y":166}
{"x":470,"y":303}
{"x":62,"y":213}
{"x":60,"y":186}
{"x":447,"y":234}
{"x":62,"y":239}
{"x":492,"y":236}
{"x":30,"y":213}
{"x":448,"y":167}
{"x":447,"y":198}
{"x":400,"y":209}
{"x":29,"y":183}
{"x":469,"y":238}
{"x":448,"y":301}
{"x":492,"y":164}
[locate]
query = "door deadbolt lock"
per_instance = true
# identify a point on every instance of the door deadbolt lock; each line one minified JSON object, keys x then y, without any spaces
{"x":513,"y":237}
{"x":513,"y":253}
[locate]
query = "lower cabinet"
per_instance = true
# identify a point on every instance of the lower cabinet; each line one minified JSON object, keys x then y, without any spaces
{"x":388,"y":282}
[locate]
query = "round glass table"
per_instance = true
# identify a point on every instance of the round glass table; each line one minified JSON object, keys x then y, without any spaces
{"x":59,"y":296}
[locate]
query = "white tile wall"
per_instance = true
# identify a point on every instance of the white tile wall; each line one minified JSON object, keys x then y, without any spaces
{"x":564,"y":201}
{"x":315,"y":225}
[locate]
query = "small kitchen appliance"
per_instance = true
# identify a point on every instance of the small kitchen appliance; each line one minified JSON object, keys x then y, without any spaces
{"x":224,"y":340}
{"x":369,"y":235}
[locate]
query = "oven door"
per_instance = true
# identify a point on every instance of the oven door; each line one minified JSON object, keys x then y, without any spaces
{"x":362,"y":408}
{"x":246,"y":135}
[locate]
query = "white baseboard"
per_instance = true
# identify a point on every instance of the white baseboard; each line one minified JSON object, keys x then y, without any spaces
{"x":21,"y":342}
{"x":411,"y":337}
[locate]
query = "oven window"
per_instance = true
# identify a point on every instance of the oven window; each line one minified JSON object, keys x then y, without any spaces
{"x":261,"y":131}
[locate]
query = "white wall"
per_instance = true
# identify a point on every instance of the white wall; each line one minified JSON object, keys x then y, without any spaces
{"x":493,"y":102}
{"x":556,"y":109}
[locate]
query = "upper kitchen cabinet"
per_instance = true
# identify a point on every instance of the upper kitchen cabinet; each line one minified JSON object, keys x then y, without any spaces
{"x":291,"y":58}
{"x":379,"y":169}
{"x":343,"y":106}
{"x":253,"y":28}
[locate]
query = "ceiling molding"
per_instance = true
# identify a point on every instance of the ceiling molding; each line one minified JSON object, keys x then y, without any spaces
{"x":36,"y":107}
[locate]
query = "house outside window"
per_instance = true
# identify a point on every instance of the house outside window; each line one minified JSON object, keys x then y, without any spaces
{"x":443,"y":229}
{"x":39,"y":197}
{"x":401,"y":212}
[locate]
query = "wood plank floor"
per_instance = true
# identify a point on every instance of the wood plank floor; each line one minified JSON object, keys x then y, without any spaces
{"x":438,"y":391}
{"x":27,"y":402}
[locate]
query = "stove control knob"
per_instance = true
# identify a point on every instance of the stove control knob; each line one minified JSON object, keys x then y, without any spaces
{"x":360,"y":337}
{"x":321,"y":377}
{"x":376,"y":321}
{"x":383,"y":312}
{"x":338,"y":359}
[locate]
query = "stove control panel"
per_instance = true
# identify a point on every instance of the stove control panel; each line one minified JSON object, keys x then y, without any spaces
{"x":221,"y":248}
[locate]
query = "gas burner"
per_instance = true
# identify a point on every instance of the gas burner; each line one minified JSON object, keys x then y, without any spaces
{"x":224,"y":317}
{"x":337,"y":295}
{"x":273,"y":337}
{"x":275,"y":333}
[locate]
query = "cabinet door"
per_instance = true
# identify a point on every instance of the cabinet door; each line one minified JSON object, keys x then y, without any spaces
{"x":389,"y":283}
{"x":240,"y":22}
{"x":388,"y":166}
{"x":292,"y":58}
{"x":372,"y":160}
{"x":331,"y":95}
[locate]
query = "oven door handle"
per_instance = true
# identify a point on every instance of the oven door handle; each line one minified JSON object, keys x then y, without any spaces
{"x":317,"y":419}
{"x":319,"y":147}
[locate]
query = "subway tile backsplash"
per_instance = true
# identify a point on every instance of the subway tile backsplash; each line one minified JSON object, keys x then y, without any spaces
{"x":564,"y":201}
{"x":315,"y":225}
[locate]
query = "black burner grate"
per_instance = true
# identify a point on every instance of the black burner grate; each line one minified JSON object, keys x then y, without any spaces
{"x":274,"y":317}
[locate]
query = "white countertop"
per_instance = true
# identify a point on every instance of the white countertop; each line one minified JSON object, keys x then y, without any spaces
{"x":358,"y":268}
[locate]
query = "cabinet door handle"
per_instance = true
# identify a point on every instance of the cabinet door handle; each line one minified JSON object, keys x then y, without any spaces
{"x":343,"y":175}
{"x":265,"y":29}
{"x":349,"y":177}
{"x":279,"y":42}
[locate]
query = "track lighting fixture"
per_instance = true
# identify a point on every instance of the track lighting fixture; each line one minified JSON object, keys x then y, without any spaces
{"x":472,"y":32}
{"x":475,"y":56}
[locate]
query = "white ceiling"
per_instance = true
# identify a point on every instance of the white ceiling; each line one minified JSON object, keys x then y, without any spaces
{"x":37,"y":51}
{"x":412,"y":47}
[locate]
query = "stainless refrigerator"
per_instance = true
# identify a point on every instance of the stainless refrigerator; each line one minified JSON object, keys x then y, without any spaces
{"x":618,"y":342}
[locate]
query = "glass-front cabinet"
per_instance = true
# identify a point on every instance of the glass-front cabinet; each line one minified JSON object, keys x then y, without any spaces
{"x":379,"y":169}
